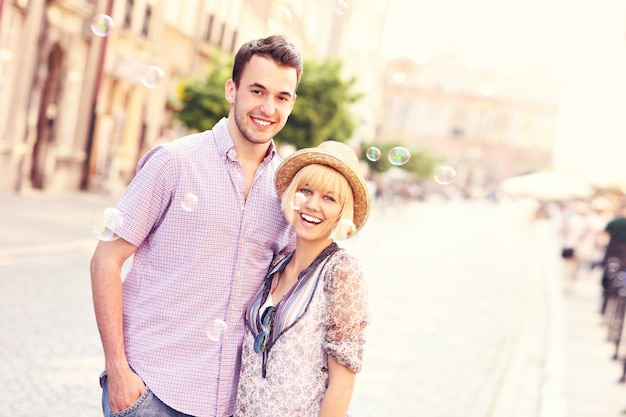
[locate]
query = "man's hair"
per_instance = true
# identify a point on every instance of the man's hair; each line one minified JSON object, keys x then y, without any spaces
{"x":276,"y":47}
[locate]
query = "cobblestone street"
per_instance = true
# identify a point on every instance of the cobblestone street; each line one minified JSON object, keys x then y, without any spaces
{"x":50,"y":346}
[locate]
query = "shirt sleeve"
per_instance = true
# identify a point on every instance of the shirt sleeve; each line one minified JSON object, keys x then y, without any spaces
{"x":147,"y":197}
{"x":347,"y":315}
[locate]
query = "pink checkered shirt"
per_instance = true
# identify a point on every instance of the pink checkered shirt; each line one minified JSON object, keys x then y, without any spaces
{"x":196,"y":267}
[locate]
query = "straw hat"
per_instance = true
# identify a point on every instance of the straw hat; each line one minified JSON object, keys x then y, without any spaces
{"x":337,"y":156}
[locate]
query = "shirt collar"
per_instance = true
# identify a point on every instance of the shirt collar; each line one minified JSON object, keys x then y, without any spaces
{"x":226,"y":147}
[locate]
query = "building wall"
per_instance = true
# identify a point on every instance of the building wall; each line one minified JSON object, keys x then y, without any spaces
{"x":45,"y":53}
{"x":78,"y":113}
{"x":19,"y":37}
{"x":67,"y":36}
{"x":485,"y":124}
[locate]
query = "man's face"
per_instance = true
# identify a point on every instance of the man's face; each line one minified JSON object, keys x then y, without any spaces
{"x":263,"y":101}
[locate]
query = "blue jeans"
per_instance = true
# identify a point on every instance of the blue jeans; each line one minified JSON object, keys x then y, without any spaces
{"x":147,"y":405}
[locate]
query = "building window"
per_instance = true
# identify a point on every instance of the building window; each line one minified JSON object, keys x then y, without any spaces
{"x":220,"y":41}
{"x":128,"y":17}
{"x":209,"y":29}
{"x":145,"y":29}
{"x":457,"y":132}
{"x":233,"y":42}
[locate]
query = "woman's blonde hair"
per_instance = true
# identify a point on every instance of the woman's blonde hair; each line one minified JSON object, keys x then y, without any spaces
{"x":320,"y":177}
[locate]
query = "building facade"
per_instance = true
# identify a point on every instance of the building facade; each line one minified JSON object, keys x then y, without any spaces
{"x":47,"y":56}
{"x":79,"y":105}
{"x":78,"y":108}
{"x":486,"y":125}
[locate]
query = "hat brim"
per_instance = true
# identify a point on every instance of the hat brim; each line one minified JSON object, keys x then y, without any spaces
{"x":299,"y":159}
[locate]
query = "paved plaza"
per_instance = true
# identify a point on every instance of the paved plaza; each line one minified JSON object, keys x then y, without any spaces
{"x":468,"y":314}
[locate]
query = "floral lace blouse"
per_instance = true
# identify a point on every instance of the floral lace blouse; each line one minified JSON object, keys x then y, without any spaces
{"x":290,"y":377}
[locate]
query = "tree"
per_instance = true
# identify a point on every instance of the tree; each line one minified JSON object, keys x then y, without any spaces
{"x":201,"y":101}
{"x":322,"y":109}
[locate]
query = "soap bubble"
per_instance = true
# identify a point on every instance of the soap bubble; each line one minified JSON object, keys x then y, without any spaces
{"x":444,"y":175}
{"x":344,"y":229}
{"x":280,"y":19}
{"x":101,"y":25}
{"x":152,"y":76}
{"x":399,"y":155}
{"x":341,"y":7}
{"x":102,"y":223}
{"x":189,"y":202}
{"x":299,"y":200}
{"x":373,"y":153}
{"x":216,"y":331}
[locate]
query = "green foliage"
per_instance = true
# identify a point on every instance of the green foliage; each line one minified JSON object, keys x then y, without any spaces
{"x":322,"y":109}
{"x":421,"y":163}
{"x":202,"y":101}
{"x":321,"y":112}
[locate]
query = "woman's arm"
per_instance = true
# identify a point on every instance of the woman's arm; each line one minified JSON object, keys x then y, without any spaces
{"x":347,"y":317}
{"x":339,"y":392}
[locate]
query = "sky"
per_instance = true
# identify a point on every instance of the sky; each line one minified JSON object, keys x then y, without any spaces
{"x":580,"y":43}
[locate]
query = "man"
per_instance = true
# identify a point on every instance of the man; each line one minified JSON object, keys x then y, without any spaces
{"x":202,"y":221}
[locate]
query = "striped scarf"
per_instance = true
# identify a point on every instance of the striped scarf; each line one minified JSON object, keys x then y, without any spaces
{"x":295,"y":302}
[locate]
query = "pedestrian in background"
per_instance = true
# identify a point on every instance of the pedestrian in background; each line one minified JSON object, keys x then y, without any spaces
{"x":591,"y":249}
{"x":203,"y":221}
{"x":305,"y":327}
{"x":615,"y":254}
{"x":573,"y":231}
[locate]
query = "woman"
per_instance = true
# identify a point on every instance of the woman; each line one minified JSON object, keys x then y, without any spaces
{"x":305,"y":327}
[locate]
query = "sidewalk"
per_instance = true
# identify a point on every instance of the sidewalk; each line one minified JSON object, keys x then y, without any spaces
{"x":580,"y":354}
{"x":564,"y":335}
{"x":36,"y":222}
{"x":591,"y":374}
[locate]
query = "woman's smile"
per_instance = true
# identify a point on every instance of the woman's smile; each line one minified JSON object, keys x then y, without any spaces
{"x":310,"y":219}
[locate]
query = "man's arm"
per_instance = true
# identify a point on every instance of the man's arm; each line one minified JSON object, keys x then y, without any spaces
{"x":124,"y":385}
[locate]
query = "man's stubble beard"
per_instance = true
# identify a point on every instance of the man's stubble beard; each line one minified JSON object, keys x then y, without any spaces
{"x":242,"y":122}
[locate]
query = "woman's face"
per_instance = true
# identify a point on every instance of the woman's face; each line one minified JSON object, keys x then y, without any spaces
{"x":317,"y":212}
